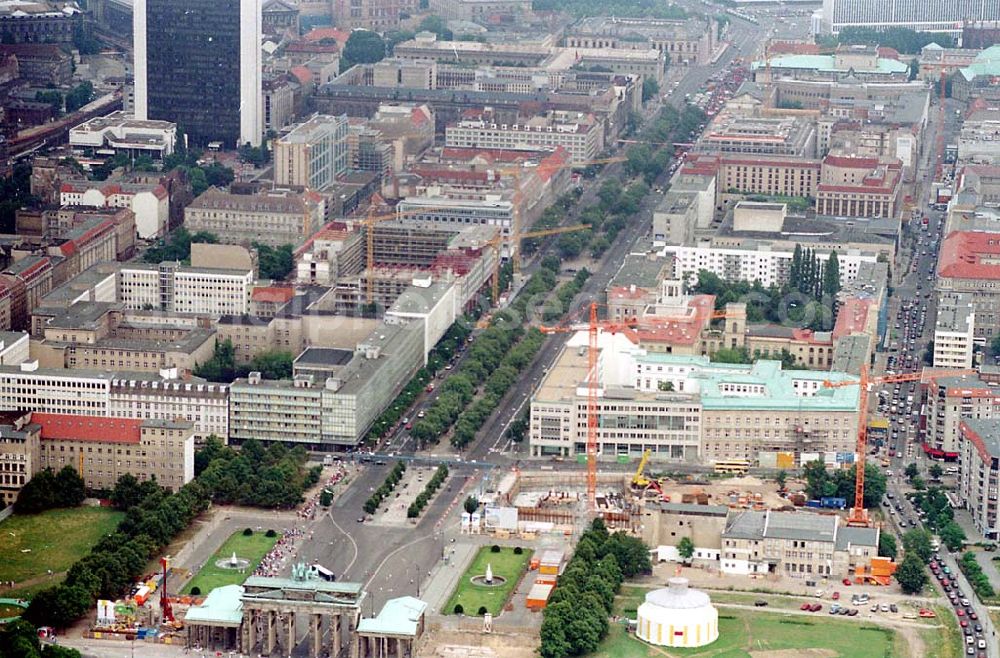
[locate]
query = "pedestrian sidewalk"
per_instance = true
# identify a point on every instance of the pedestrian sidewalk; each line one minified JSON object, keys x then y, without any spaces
{"x":445,"y":574}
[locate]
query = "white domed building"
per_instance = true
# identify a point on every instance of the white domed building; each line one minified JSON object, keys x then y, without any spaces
{"x":677,"y":616}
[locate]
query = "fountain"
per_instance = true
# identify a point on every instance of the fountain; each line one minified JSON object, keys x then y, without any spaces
{"x":233,"y":562}
{"x":488,"y":579}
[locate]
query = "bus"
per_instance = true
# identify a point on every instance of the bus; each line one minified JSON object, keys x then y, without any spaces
{"x":732,"y":466}
{"x":323,"y":572}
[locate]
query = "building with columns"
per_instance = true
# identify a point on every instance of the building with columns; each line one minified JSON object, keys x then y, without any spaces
{"x":859,"y":187}
{"x":393,"y":631}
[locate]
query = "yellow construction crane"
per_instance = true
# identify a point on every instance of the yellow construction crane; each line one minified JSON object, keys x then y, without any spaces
{"x":639,"y":480}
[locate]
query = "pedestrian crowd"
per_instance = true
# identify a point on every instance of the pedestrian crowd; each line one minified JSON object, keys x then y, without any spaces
{"x":272,"y":563}
{"x":308,"y":511}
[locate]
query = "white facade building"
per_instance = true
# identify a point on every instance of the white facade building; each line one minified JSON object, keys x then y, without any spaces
{"x":768,"y":266}
{"x":179,"y":289}
{"x":954,"y":331}
{"x":921,"y":15}
{"x":583,"y":139}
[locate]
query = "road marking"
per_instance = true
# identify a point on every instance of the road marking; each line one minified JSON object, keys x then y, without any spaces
{"x":349,"y":538}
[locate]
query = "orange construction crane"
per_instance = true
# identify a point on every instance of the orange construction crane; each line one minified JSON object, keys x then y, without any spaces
{"x":858,"y":515}
{"x":593,"y":327}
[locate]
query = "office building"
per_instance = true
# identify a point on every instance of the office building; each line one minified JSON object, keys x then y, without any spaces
{"x":313,"y":154}
{"x":691,"y":41}
{"x":275,"y":218}
{"x":177,"y":288}
{"x":920,"y":15}
{"x":733,"y":133}
{"x":111,"y":447}
{"x":954,"y":331}
{"x":335,"y":395}
{"x":41,"y":21}
{"x":979,"y":473}
{"x":483,"y":12}
{"x":198,"y":64}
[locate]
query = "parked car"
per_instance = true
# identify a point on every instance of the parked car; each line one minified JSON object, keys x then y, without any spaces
{"x":760,"y":603}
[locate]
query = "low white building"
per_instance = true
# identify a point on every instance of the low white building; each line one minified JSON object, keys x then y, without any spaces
{"x":677,"y":616}
{"x":429,"y":302}
{"x":121,"y":132}
{"x":954,"y":331}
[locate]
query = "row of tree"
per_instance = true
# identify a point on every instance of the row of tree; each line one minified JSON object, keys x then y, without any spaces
{"x":272,"y":477}
{"x":449,"y":345}
{"x":917,"y":551}
{"x":424,"y":497}
{"x":575,"y":620}
{"x":939,"y":516}
{"x":772,"y":304}
{"x":380,"y":494}
{"x":565,"y":295}
{"x":821,"y":483}
{"x":117,"y":560}
{"x":979,"y":581}
{"x":274,"y":262}
{"x":810,"y":276}
{"x":47,"y":490}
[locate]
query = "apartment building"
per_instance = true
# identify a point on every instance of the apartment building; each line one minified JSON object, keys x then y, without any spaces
{"x":177,"y":288}
{"x":764,"y":263}
{"x":954,"y":331}
{"x":950,"y":400}
{"x":859,"y":187}
{"x":811,"y":349}
{"x":313,"y":154}
{"x":26,"y":281}
{"x":20,"y":457}
{"x":123,"y":134}
{"x":968,"y":263}
{"x":94,"y":241}
{"x":795,"y":545}
{"x":580,"y":134}
{"x":334,"y":397}
{"x":979,"y":473}
{"x":108,"y":448}
{"x":273,"y":218}
{"x":137,"y":395}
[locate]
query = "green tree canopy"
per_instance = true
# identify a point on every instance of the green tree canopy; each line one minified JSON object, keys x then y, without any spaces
{"x":911,"y":575}
{"x":363,"y":47}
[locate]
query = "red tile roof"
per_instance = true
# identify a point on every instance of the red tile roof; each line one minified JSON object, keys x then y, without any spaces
{"x":970,"y":255}
{"x":321,"y":33}
{"x":99,"y":429}
{"x":302,"y":74}
{"x":272,"y":294}
{"x":852,"y":317}
{"x":849,"y":162}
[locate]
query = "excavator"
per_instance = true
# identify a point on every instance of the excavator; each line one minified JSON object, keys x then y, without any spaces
{"x":641,"y":482}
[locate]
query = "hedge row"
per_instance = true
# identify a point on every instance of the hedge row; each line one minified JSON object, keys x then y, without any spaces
{"x":391,"y":480}
{"x":418,"y":505}
{"x":979,"y":580}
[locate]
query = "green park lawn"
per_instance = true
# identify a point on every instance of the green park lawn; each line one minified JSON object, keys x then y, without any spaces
{"x":472,"y":596}
{"x":252,"y":548}
{"x":33,"y":544}
{"x":743,"y":631}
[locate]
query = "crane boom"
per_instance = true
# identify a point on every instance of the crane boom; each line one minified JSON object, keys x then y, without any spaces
{"x":858,"y":515}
